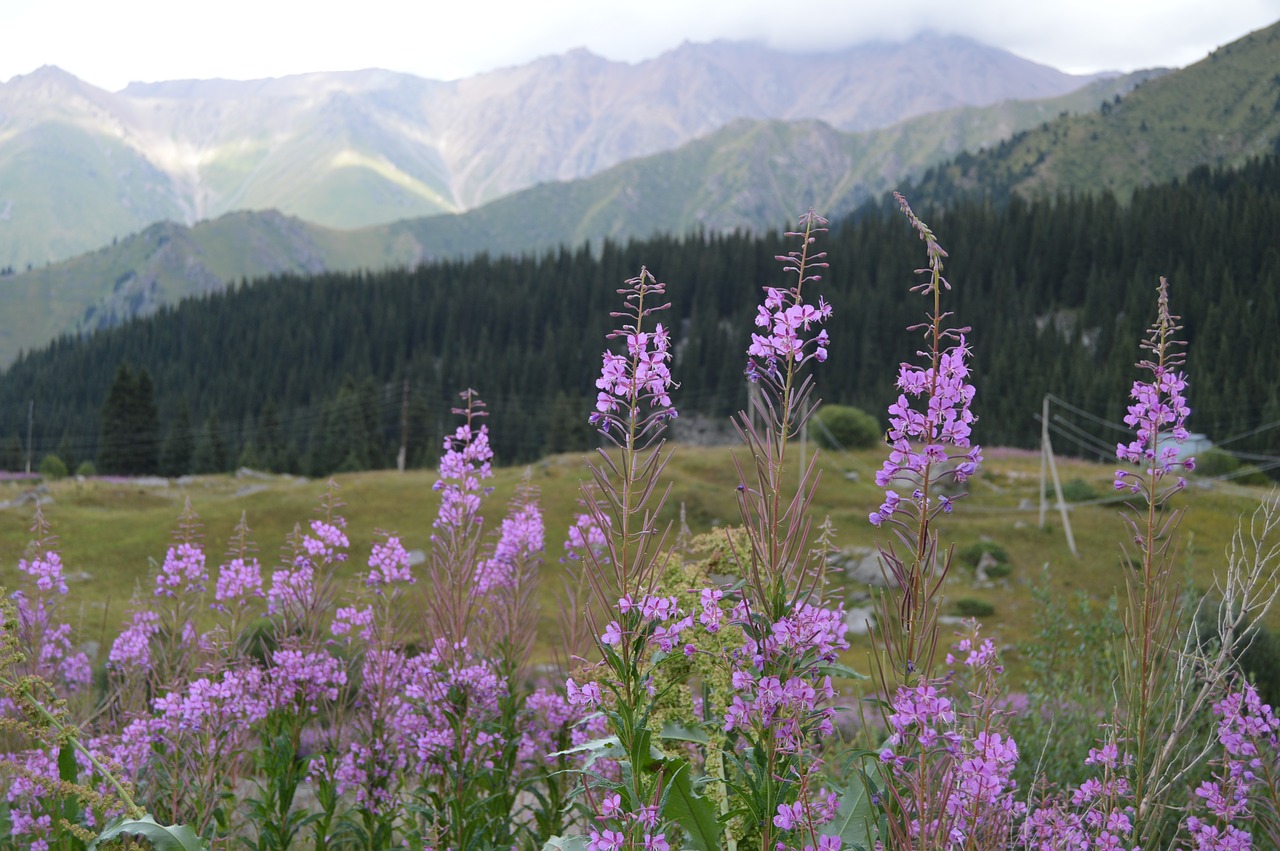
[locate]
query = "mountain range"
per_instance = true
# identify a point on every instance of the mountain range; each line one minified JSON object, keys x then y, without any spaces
{"x":80,"y":166}
{"x":749,"y":175}
{"x":752,"y":174}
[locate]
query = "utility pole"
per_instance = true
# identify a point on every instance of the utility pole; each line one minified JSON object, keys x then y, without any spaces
{"x":1046,"y":454}
{"x":1044,"y":441}
{"x":31,"y":408}
{"x":402,"y":458}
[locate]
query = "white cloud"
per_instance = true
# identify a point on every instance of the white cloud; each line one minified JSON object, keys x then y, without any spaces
{"x":110,"y":44}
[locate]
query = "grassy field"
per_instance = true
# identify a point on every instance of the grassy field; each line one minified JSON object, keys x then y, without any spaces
{"x":113,"y":535}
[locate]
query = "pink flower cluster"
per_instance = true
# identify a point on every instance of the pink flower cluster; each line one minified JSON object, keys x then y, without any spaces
{"x":132,"y":647}
{"x":389,"y":564}
{"x":786,"y":317}
{"x":810,"y":631}
{"x":785,"y":313}
{"x":46,"y":569}
{"x":520,"y":540}
{"x":642,"y":374}
{"x":292,"y":587}
{"x":645,"y":819}
{"x":920,"y":438}
{"x":585,"y":535}
{"x":183,"y":571}
{"x":1157,"y":404}
{"x":956,"y":768}
{"x":239,"y":580}
{"x":1248,"y":733}
{"x":465,"y":463}
{"x":222,"y":706}
{"x":945,"y":421}
{"x":808,"y":815}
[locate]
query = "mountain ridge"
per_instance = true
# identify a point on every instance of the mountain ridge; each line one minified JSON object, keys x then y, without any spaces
{"x":750,"y":175}
{"x":352,"y":149}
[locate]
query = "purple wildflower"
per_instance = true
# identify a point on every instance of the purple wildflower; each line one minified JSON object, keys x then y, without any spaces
{"x":785,"y":313}
{"x":46,"y":568}
{"x":642,"y":374}
{"x":586,"y":535}
{"x":922,"y":441}
{"x":183,"y":571}
{"x":1159,"y":412}
{"x":388,"y":564}
{"x":520,"y":540}
{"x":238,"y":580}
{"x":465,"y":463}
{"x":131,"y":649}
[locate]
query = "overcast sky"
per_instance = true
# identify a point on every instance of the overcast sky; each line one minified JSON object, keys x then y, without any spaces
{"x":111,"y":42}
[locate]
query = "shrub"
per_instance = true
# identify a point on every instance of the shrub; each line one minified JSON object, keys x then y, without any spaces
{"x":972,"y":554}
{"x":972,"y":607}
{"x":1216,"y":462}
{"x":1076,"y":490}
{"x":1250,"y":475}
{"x":86,"y":469}
{"x":1002,"y":570}
{"x":52,"y":467}
{"x":846,"y":427}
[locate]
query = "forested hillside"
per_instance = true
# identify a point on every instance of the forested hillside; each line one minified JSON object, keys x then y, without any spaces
{"x":1221,"y":111}
{"x":309,"y":374}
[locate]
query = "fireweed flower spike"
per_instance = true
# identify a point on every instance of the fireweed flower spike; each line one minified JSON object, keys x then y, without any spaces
{"x":787,"y":317}
{"x":621,"y":551}
{"x":642,"y":374}
{"x":928,"y":443}
{"x":1159,"y":411}
{"x":781,"y":572}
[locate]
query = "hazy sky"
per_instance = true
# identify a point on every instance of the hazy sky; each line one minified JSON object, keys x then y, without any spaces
{"x":111,"y":43}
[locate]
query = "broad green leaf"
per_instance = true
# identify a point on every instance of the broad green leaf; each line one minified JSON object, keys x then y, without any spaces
{"x":162,"y":837}
{"x":565,"y":843}
{"x":68,"y":770}
{"x":856,"y":815}
{"x":693,"y":812}
{"x":673,"y":732}
{"x":606,"y":747}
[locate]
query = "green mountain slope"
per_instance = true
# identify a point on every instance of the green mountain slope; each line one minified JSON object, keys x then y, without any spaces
{"x":1220,"y":111}
{"x":751,"y":175}
{"x":79,"y":165}
{"x":161,"y":265}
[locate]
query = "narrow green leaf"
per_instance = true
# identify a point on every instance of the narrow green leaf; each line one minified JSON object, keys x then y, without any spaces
{"x":693,"y":812}
{"x":162,"y":837}
{"x":835,"y":669}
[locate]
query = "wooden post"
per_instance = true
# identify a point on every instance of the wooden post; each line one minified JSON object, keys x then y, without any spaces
{"x":403,"y":456}
{"x":1044,"y":441}
{"x":1062,"y":503}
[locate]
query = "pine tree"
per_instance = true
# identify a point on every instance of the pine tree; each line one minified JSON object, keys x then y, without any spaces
{"x":146,"y":426}
{"x":180,"y":445}
{"x":211,"y":451}
{"x":115,"y":445}
{"x":270,"y":442}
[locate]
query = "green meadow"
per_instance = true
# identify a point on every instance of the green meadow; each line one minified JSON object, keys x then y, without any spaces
{"x":113,"y":535}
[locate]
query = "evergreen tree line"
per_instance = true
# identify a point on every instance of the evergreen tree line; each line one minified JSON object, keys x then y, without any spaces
{"x":309,"y":374}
